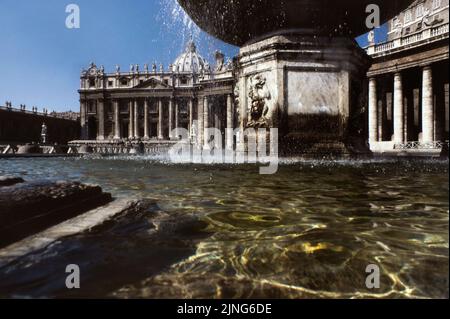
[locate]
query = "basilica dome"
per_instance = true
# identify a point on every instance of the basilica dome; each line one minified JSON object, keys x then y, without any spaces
{"x":190,"y":60}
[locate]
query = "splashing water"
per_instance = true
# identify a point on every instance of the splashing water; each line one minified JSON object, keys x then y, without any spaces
{"x":174,"y":19}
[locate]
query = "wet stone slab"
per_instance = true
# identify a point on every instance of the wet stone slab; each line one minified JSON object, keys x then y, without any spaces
{"x":109,"y":259}
{"x":9,"y":180}
{"x":28,"y":208}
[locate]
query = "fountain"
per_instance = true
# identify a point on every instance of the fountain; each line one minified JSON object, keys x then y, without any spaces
{"x":299,"y":68}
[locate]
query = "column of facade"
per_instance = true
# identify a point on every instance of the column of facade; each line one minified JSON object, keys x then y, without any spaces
{"x":170,"y":118}
{"x":373,"y":111}
{"x":191,"y":116}
{"x":160,"y":120}
{"x":130,"y":125}
{"x":229,"y":129}
{"x":116,"y":120}
{"x":83,"y":119}
{"x":146,"y":121}
{"x":200,"y":122}
{"x":216,"y":115}
{"x":215,"y":111}
{"x":101,"y":119}
{"x":427,"y":106}
{"x":205,"y":123}
{"x":177,"y":109}
{"x":399,"y":125}
{"x":136,"y":119}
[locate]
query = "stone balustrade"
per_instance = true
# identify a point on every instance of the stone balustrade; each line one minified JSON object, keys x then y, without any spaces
{"x":428,"y":35}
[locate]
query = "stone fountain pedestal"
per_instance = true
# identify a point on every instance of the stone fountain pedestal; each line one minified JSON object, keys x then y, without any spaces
{"x":309,"y":87}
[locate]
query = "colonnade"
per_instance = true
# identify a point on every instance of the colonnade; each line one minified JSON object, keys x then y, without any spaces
{"x":423,"y":107}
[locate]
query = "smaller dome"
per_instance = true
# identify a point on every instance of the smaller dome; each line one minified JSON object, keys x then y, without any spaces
{"x":190,"y":60}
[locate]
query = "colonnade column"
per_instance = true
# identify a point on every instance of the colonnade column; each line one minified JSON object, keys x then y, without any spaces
{"x":136,"y":119}
{"x":160,"y":120}
{"x":205,"y":123}
{"x":373,"y":111}
{"x":101,"y":119}
{"x":170,"y":118}
{"x":382,"y":113}
{"x":146,"y":121}
{"x":427,"y":106}
{"x":116,"y":120}
{"x":229,"y":128}
{"x":399,"y":125}
{"x":131,"y":122}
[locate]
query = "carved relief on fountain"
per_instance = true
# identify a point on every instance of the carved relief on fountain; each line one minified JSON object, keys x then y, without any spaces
{"x":259,"y":102}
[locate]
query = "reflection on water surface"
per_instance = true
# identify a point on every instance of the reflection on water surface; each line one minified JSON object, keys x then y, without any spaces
{"x":308,"y":231}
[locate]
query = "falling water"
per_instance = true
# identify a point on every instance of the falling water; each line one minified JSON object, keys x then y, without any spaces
{"x":175,"y":20}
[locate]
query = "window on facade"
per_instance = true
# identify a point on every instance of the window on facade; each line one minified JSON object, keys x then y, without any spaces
{"x":419,"y":11}
{"x":436,"y":4}
{"x":91,"y":107}
{"x":141,"y":81}
{"x":184,"y":81}
{"x":408,"y":17}
{"x":110,"y":83}
{"x":394,"y":23}
{"x":166,"y":82}
{"x":124,"y":82}
{"x":91,"y":83}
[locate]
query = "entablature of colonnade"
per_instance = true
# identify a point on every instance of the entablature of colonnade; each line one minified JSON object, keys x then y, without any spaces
{"x":406,"y":59}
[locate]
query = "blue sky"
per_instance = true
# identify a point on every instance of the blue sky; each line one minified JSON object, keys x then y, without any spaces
{"x":41,"y":60}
